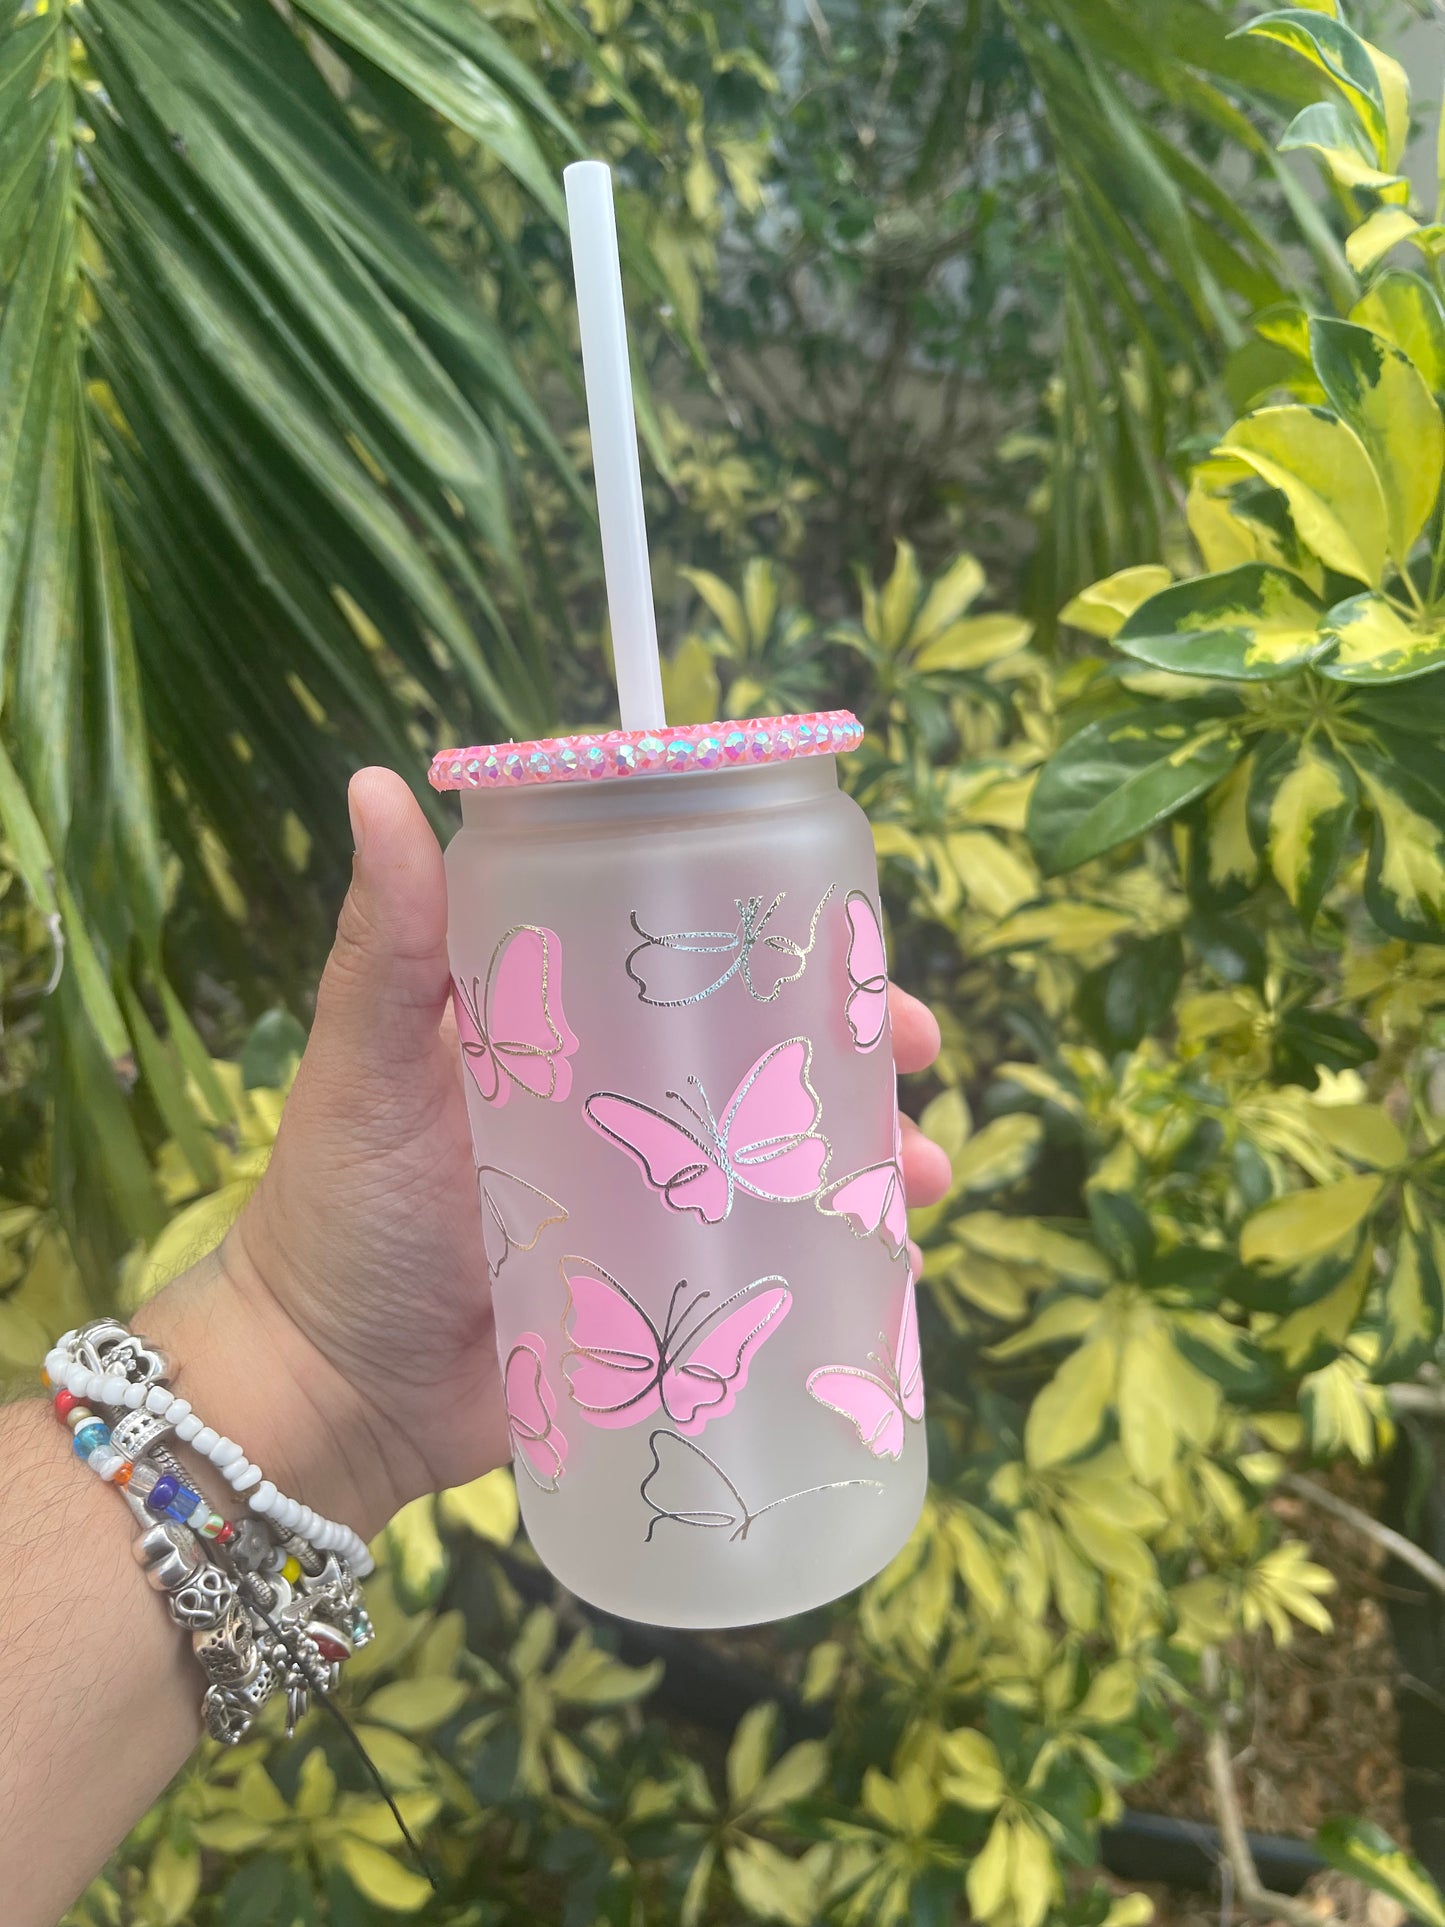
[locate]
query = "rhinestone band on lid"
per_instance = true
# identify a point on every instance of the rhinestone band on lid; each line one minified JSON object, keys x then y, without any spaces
{"x":645,"y":752}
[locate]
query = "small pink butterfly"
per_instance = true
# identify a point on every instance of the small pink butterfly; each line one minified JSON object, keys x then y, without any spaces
{"x":687,"y":1487}
{"x":878,"y":1406}
{"x":514,"y":1214}
{"x":767,"y":1144}
{"x":537,"y":1441}
{"x":867,"y":1005}
{"x":674,"y":971}
{"x":872,"y":1199}
{"x":515,"y":1032}
{"x":622,"y":1369}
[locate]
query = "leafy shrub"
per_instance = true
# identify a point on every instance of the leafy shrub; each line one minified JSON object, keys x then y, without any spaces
{"x":1175,"y":904}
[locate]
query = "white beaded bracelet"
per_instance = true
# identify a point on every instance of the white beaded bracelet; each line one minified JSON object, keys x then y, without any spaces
{"x":327,"y":1535}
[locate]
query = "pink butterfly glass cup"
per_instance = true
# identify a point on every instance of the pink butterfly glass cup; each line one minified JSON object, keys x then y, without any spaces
{"x":671,"y":1000}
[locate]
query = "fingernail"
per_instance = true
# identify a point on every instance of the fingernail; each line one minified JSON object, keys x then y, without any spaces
{"x":358,"y":819}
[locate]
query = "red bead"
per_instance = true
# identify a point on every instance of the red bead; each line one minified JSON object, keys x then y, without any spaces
{"x":330,"y":1648}
{"x":226,"y":1534}
{"x":63,"y":1402}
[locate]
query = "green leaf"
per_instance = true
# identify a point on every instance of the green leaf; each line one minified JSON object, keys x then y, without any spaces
{"x":1224,"y":865}
{"x":1100,"y":609}
{"x":748,"y":1754}
{"x":1405,"y":875}
{"x":1068,"y":1414}
{"x":1341,"y":142}
{"x":1386,"y":228}
{"x":998,"y":1154}
{"x":1412,"y":1297}
{"x":1377,"y":389}
{"x":1321,"y":468}
{"x":973,"y":643}
{"x":1365,"y":1852}
{"x":379,"y":1876}
{"x":951,"y":593}
{"x":1375,"y":644}
{"x":1120,"y":776}
{"x":1287,"y":1234}
{"x":1406,"y":310}
{"x":1302,"y":804}
{"x":690,"y":688}
{"x":1345,"y":59}
{"x":1252,"y":623}
{"x":416,"y":1705}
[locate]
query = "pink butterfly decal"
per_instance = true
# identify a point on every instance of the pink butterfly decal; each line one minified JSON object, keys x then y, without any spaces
{"x":537,"y":1442}
{"x":513,"y":1031}
{"x":674,"y":971}
{"x":867,"y":1006}
{"x":622,"y":1369}
{"x":877,"y":1405}
{"x":767,"y":1143}
{"x":872,"y":1199}
{"x":514,"y":1214}
{"x":687,"y":1487}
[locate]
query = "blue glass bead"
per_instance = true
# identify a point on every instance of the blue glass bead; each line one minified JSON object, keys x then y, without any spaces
{"x":161,"y":1493}
{"x":181,"y":1507}
{"x":90,"y":1437}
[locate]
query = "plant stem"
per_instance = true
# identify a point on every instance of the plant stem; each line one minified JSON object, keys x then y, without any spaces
{"x":1251,"y":1896}
{"x":1405,"y":1550}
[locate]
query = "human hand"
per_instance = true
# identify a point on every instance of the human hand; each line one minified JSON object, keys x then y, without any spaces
{"x":343,"y":1332}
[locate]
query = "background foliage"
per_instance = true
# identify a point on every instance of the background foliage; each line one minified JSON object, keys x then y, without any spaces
{"x":947,"y":312}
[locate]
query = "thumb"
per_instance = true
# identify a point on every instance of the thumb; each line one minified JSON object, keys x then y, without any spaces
{"x":387,"y":978}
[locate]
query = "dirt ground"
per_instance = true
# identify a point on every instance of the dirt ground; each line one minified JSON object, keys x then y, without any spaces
{"x":1317,"y":1732}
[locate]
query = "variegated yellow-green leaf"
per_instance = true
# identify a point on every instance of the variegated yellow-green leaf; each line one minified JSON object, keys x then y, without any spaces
{"x":1405,"y":309}
{"x":381,"y":1878}
{"x":1348,"y":61}
{"x":898,"y":598}
{"x":1307,"y":1224}
{"x":725,"y":606}
{"x":416,"y":1705}
{"x":975,"y":1772}
{"x":1301,"y":806}
{"x":1224,"y":865}
{"x":1320,"y":466}
{"x":1386,"y":228}
{"x":1411,"y":1300}
{"x":1405,"y":876}
{"x":690,"y":685}
{"x":973,"y":642}
{"x":1362,"y":1850}
{"x":960,"y":584}
{"x":1252,"y":623}
{"x":1334,"y":133}
{"x":999,"y":1153}
{"x":1342,"y":1411}
{"x":1378,"y":390}
{"x":1068,"y":1414}
{"x":1100,"y":609}
{"x":415,"y":1551}
{"x":1119,"y":777}
{"x":995,"y":878}
{"x":1374,"y":643}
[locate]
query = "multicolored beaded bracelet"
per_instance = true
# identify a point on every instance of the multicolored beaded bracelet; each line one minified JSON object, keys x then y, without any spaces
{"x":263,"y":1497}
{"x":162,"y":1494}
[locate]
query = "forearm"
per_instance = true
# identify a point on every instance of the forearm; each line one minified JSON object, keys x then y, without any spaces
{"x":100,"y":1694}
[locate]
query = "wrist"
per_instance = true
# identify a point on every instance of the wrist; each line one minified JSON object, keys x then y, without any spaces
{"x":247,"y":1370}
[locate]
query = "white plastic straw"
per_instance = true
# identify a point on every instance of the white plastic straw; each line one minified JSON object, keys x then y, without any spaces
{"x":603,"y":324}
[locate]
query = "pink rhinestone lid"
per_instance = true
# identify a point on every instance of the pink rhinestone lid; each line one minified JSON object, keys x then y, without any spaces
{"x":641,"y":752}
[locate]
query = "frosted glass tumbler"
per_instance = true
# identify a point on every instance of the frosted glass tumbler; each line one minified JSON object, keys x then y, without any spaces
{"x":670,"y":991}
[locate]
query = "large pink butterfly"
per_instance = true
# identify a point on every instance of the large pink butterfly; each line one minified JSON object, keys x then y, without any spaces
{"x":877,"y":1406}
{"x":537,"y":1440}
{"x":622,"y":1369}
{"x":767,"y":1143}
{"x":872,"y":1199}
{"x":514,"y":1031}
{"x":867,"y":1005}
{"x":686,"y":966}
{"x":687,"y":1487}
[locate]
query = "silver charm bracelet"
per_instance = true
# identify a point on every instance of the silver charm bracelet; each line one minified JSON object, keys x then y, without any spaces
{"x":268,"y":1604}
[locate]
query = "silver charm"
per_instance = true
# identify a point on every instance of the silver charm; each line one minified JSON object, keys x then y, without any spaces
{"x":169,"y":1553}
{"x":229,"y":1710}
{"x":137,"y":1432}
{"x":227,"y":1649}
{"x":105,"y":1346}
{"x":204,"y":1600}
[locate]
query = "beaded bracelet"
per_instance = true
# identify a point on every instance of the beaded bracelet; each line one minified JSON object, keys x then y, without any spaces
{"x":115,"y":1387}
{"x":266,"y":1607}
